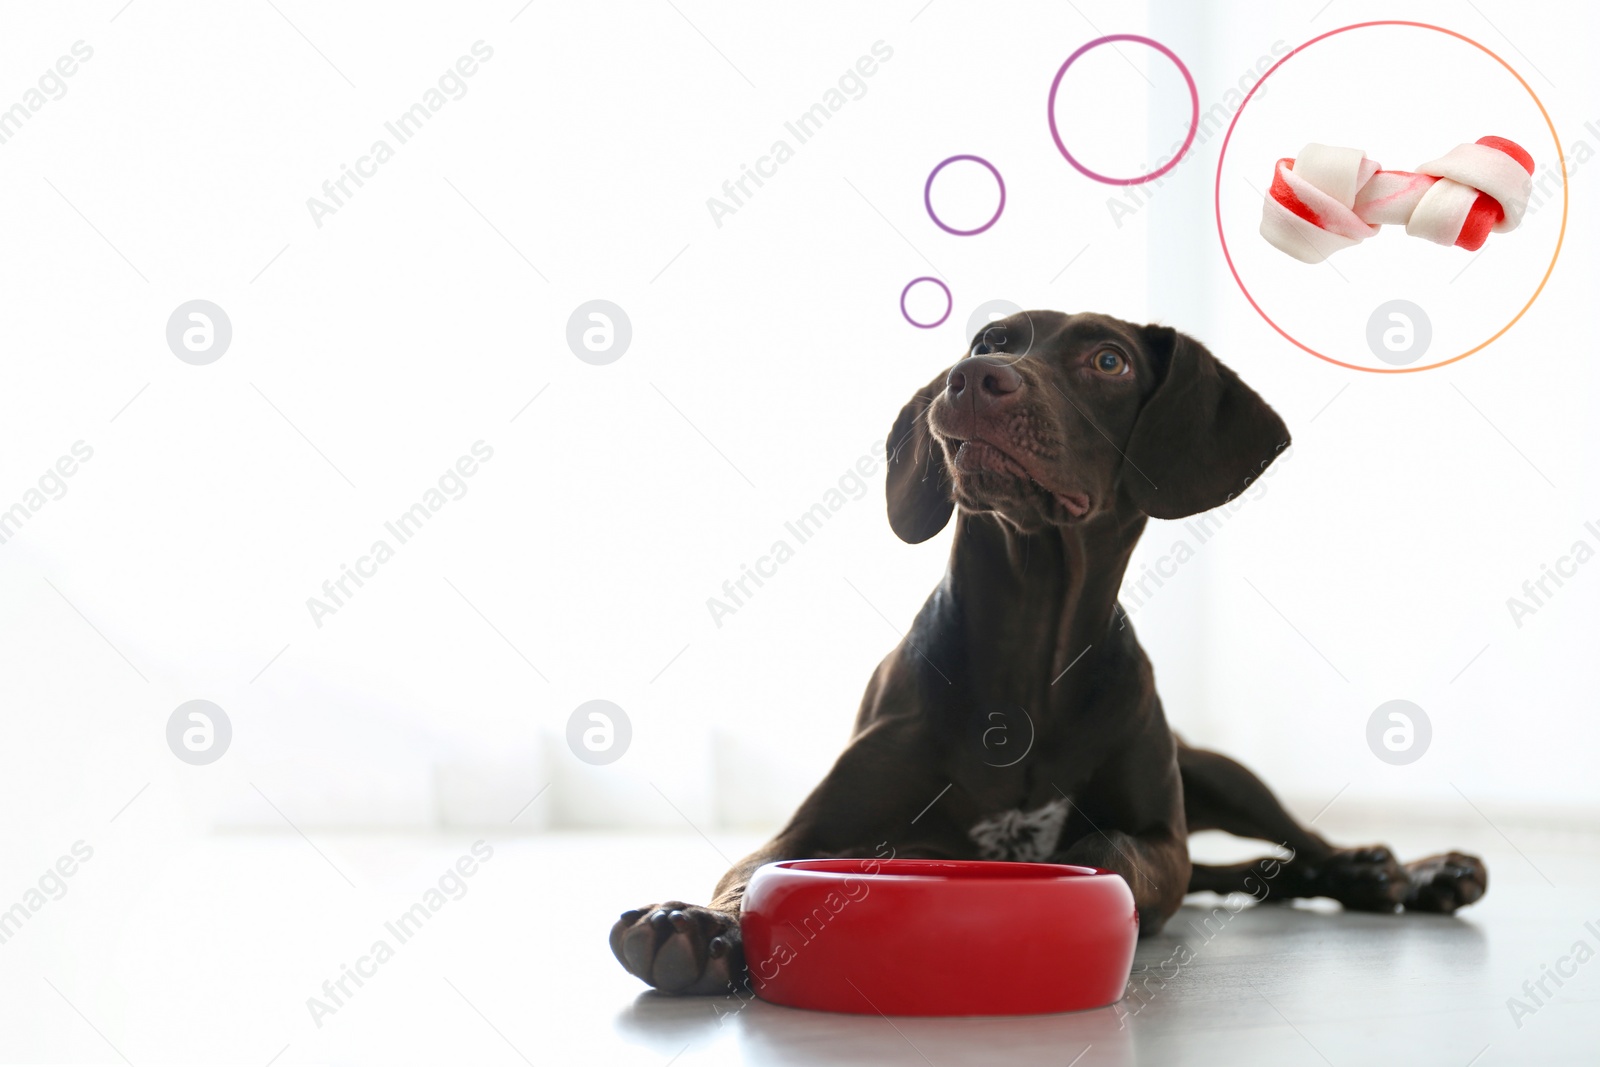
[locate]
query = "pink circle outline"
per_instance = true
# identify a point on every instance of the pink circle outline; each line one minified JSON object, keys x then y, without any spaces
{"x":1194,"y":109}
{"x":1222,"y":237}
{"x":927,"y":195}
{"x":949,"y":302}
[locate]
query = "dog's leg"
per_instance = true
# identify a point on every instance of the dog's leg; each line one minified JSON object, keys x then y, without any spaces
{"x":1220,"y":794}
{"x":1155,"y":867}
{"x":1130,"y":821}
{"x":682,"y":948}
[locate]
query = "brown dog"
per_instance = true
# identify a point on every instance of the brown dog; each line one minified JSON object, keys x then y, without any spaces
{"x":1056,"y":438}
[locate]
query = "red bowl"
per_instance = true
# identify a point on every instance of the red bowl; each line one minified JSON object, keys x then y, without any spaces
{"x":938,"y":937}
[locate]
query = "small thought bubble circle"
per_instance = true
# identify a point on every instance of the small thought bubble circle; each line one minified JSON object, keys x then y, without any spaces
{"x":199,"y":332}
{"x":198,"y":732}
{"x":598,"y":732}
{"x":987,"y":312}
{"x":1399,"y":332}
{"x":598,"y":332}
{"x":1398,"y":732}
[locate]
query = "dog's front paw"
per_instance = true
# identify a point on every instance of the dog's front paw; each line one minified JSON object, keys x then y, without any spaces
{"x":1362,"y":879}
{"x":679,"y":948}
{"x":1441,"y":884}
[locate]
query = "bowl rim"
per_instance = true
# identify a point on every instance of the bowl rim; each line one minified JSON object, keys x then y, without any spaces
{"x":965,"y":872}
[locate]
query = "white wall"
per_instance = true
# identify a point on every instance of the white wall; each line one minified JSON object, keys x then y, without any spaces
{"x":768,"y":356}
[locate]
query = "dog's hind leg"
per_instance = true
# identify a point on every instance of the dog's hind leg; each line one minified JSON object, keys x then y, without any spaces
{"x":1221,"y":794}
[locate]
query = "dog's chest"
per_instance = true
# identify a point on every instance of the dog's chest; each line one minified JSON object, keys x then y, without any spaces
{"x":1025,"y":836}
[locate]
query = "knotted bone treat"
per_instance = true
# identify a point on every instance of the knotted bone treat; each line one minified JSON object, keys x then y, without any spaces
{"x":1330,"y":198}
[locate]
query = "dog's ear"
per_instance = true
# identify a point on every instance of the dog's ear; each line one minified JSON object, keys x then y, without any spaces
{"x":918,"y":482}
{"x":1202,"y":437}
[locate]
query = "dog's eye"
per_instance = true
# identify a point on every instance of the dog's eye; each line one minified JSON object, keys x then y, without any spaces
{"x":992,"y":339}
{"x":1110,"y":361}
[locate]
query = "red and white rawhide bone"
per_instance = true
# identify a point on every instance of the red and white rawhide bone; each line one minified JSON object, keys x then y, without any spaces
{"x":1327,"y":198}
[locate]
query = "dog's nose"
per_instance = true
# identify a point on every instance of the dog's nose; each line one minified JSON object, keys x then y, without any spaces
{"x":982,"y":382}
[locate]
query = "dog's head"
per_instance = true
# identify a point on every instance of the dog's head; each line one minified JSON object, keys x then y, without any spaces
{"x":1051,"y":419}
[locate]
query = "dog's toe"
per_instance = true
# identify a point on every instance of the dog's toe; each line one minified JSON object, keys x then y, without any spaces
{"x":639,"y":947}
{"x":681,"y":955}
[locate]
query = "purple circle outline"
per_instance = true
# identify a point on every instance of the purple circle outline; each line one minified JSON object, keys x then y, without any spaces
{"x":1194,"y":109}
{"x":949,"y":302}
{"x":927,"y":195}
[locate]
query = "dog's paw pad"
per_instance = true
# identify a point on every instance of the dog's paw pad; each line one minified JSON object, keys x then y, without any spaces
{"x":1441,"y":884}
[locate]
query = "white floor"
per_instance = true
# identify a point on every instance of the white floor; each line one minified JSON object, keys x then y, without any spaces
{"x":207,"y":952}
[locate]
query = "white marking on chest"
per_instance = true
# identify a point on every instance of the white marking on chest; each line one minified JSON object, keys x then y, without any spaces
{"x":1024,"y":836}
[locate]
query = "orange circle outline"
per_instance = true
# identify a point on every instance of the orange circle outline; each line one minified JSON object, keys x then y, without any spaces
{"x":1561,"y":158}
